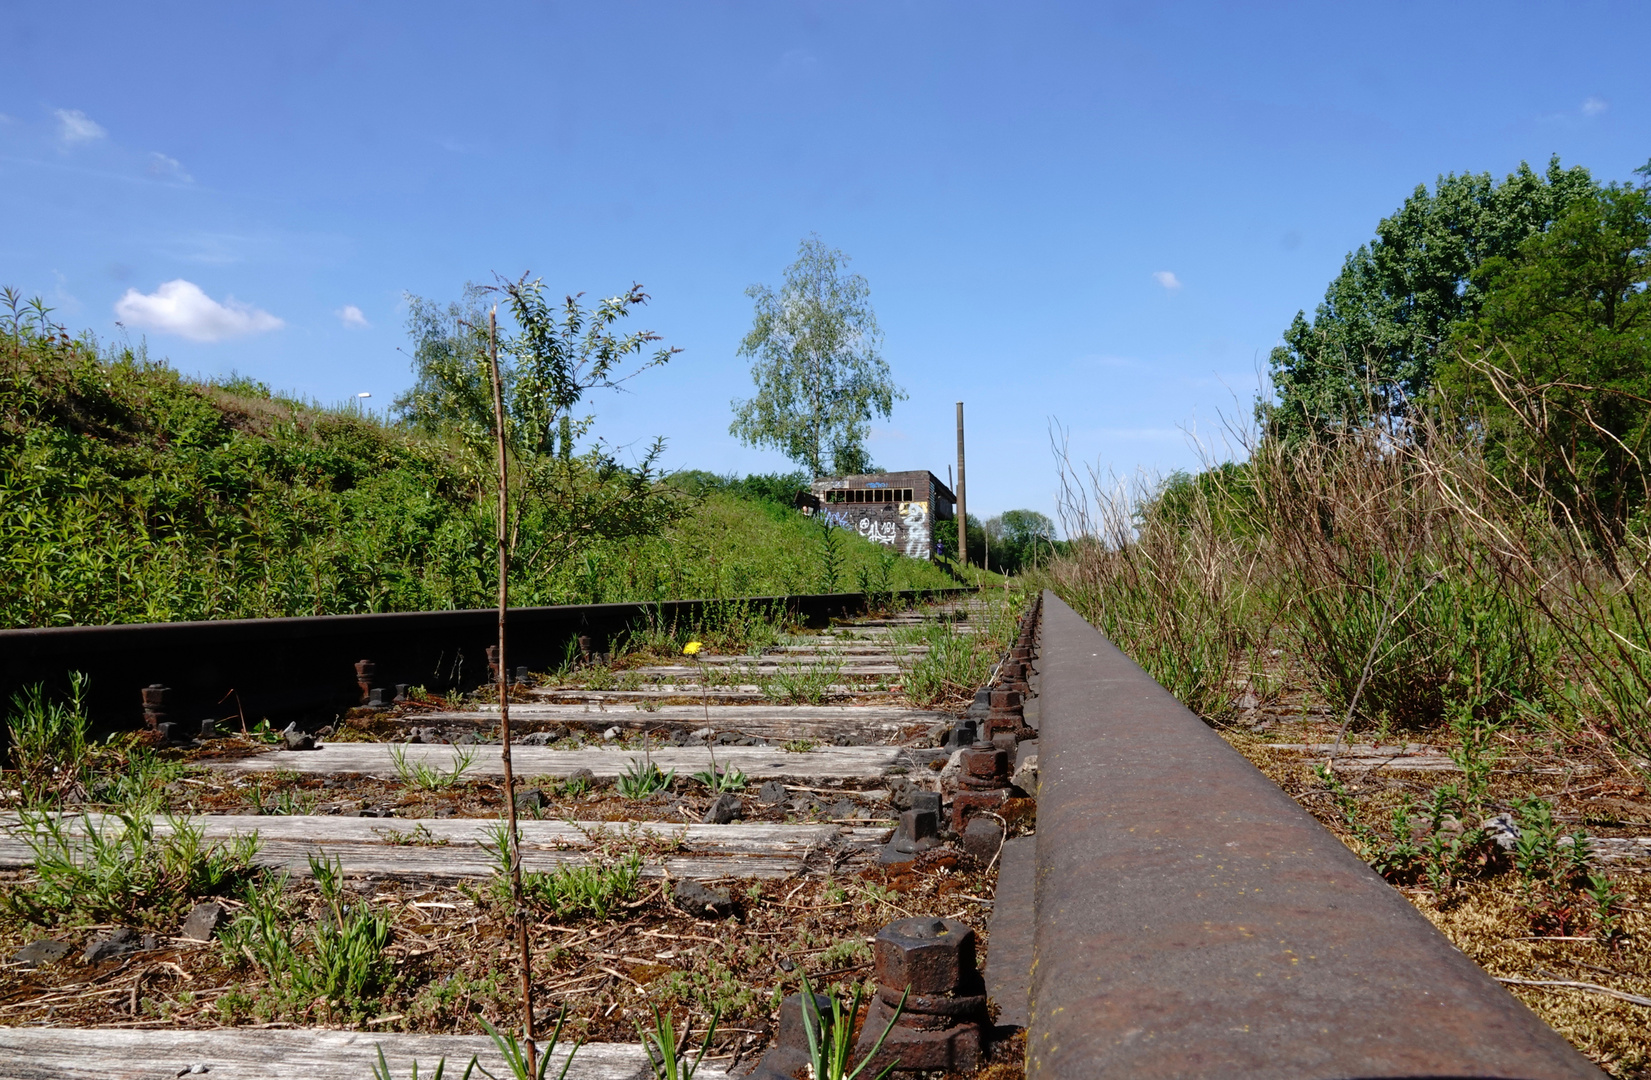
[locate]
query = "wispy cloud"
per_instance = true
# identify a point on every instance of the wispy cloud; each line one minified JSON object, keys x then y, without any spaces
{"x":1167,"y":279}
{"x":1594,"y":106}
{"x":352,"y":318}
{"x":75,"y":127}
{"x":180,"y":307}
{"x":168,"y":168}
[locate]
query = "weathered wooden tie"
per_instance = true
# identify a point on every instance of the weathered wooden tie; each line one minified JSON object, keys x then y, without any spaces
{"x":300,"y":1054}
{"x":824,"y":763}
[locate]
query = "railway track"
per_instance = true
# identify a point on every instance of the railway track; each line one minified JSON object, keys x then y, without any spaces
{"x":1068,"y":870}
{"x":401,"y":801}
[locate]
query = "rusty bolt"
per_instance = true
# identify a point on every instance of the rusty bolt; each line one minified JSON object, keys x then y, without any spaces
{"x":984,"y":762}
{"x":924,"y":955}
{"x":154,"y":705}
{"x":365,"y":672}
{"x":1006,"y":701}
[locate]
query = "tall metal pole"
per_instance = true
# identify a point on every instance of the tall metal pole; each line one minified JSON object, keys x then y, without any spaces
{"x":962,"y":497}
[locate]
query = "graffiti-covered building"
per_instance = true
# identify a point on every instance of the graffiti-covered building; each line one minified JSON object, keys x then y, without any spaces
{"x":900,"y":509}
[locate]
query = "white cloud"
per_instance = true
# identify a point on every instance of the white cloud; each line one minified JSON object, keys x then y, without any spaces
{"x":76,"y":127}
{"x":1594,"y":106}
{"x":352,"y":318}
{"x":1167,"y":279}
{"x":168,"y":168}
{"x":180,"y":307}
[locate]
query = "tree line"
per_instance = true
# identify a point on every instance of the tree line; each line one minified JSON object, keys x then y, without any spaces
{"x":1517,"y":310}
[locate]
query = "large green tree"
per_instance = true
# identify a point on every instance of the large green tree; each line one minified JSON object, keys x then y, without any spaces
{"x":819,"y":373}
{"x":1018,"y":539}
{"x":1372,"y":346}
{"x":1555,"y":370}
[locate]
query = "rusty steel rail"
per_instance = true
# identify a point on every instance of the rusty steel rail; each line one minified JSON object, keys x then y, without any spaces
{"x":1192,"y":921}
{"x":305,"y":668}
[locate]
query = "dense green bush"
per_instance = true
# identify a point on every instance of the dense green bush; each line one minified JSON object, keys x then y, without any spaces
{"x":129,"y":493}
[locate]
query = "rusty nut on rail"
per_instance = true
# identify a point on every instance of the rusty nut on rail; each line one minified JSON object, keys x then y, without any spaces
{"x":984,"y":766}
{"x":926,"y":956}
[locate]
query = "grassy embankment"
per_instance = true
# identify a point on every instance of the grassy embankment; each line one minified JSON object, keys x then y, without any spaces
{"x":1377,"y":590}
{"x":130,"y":493}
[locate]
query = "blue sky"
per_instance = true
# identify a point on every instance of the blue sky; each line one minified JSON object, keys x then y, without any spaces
{"x":1098,"y":214}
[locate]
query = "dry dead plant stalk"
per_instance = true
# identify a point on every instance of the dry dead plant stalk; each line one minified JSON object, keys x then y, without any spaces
{"x":513,"y":837}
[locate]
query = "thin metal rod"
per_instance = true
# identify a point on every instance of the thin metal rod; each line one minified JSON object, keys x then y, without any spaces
{"x":513,"y":840}
{"x":962,"y":498}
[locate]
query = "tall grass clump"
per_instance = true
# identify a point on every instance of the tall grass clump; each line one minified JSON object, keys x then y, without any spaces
{"x":49,"y":744}
{"x":956,"y":662}
{"x":117,"y":866}
{"x":1364,"y":557}
{"x":339,"y":958}
{"x":55,"y":762}
{"x":1168,"y":572}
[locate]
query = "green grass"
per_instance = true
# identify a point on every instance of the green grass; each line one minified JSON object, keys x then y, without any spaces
{"x":957,"y":663}
{"x":340,"y":958}
{"x":418,"y":774}
{"x":799,"y":683}
{"x":122,"y":867}
{"x":572,"y":891}
{"x":130,"y":493}
{"x":57,"y":763}
{"x":639,"y":780}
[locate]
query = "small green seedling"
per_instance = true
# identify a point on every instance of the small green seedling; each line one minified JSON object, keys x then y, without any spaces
{"x":718,"y":781}
{"x":643,"y":779}
{"x":829,"y":1042}
{"x":669,"y":1055}
{"x":418,"y":774}
{"x":381,"y":1068}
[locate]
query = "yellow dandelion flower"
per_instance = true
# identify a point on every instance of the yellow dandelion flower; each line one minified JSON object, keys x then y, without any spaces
{"x":691,"y":649}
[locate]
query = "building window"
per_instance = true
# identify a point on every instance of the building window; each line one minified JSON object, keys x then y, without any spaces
{"x":868,"y":495}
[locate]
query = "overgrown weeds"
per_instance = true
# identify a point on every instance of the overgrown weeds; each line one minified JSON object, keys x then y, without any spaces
{"x":1449,"y":839}
{"x":1400,"y":574}
{"x":798,"y":683}
{"x":340,"y":959}
{"x":430,"y":778}
{"x":114,"y":866}
{"x":129,"y":493}
{"x":57,"y":764}
{"x":725,"y":626}
{"x":568,"y":892}
{"x":49,"y":743}
{"x":956,"y":660}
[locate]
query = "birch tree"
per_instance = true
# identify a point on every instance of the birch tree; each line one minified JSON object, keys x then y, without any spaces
{"x":817,"y":366}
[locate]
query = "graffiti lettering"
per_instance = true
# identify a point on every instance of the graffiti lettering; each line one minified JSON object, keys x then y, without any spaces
{"x":878,"y":532}
{"x":915,"y":515}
